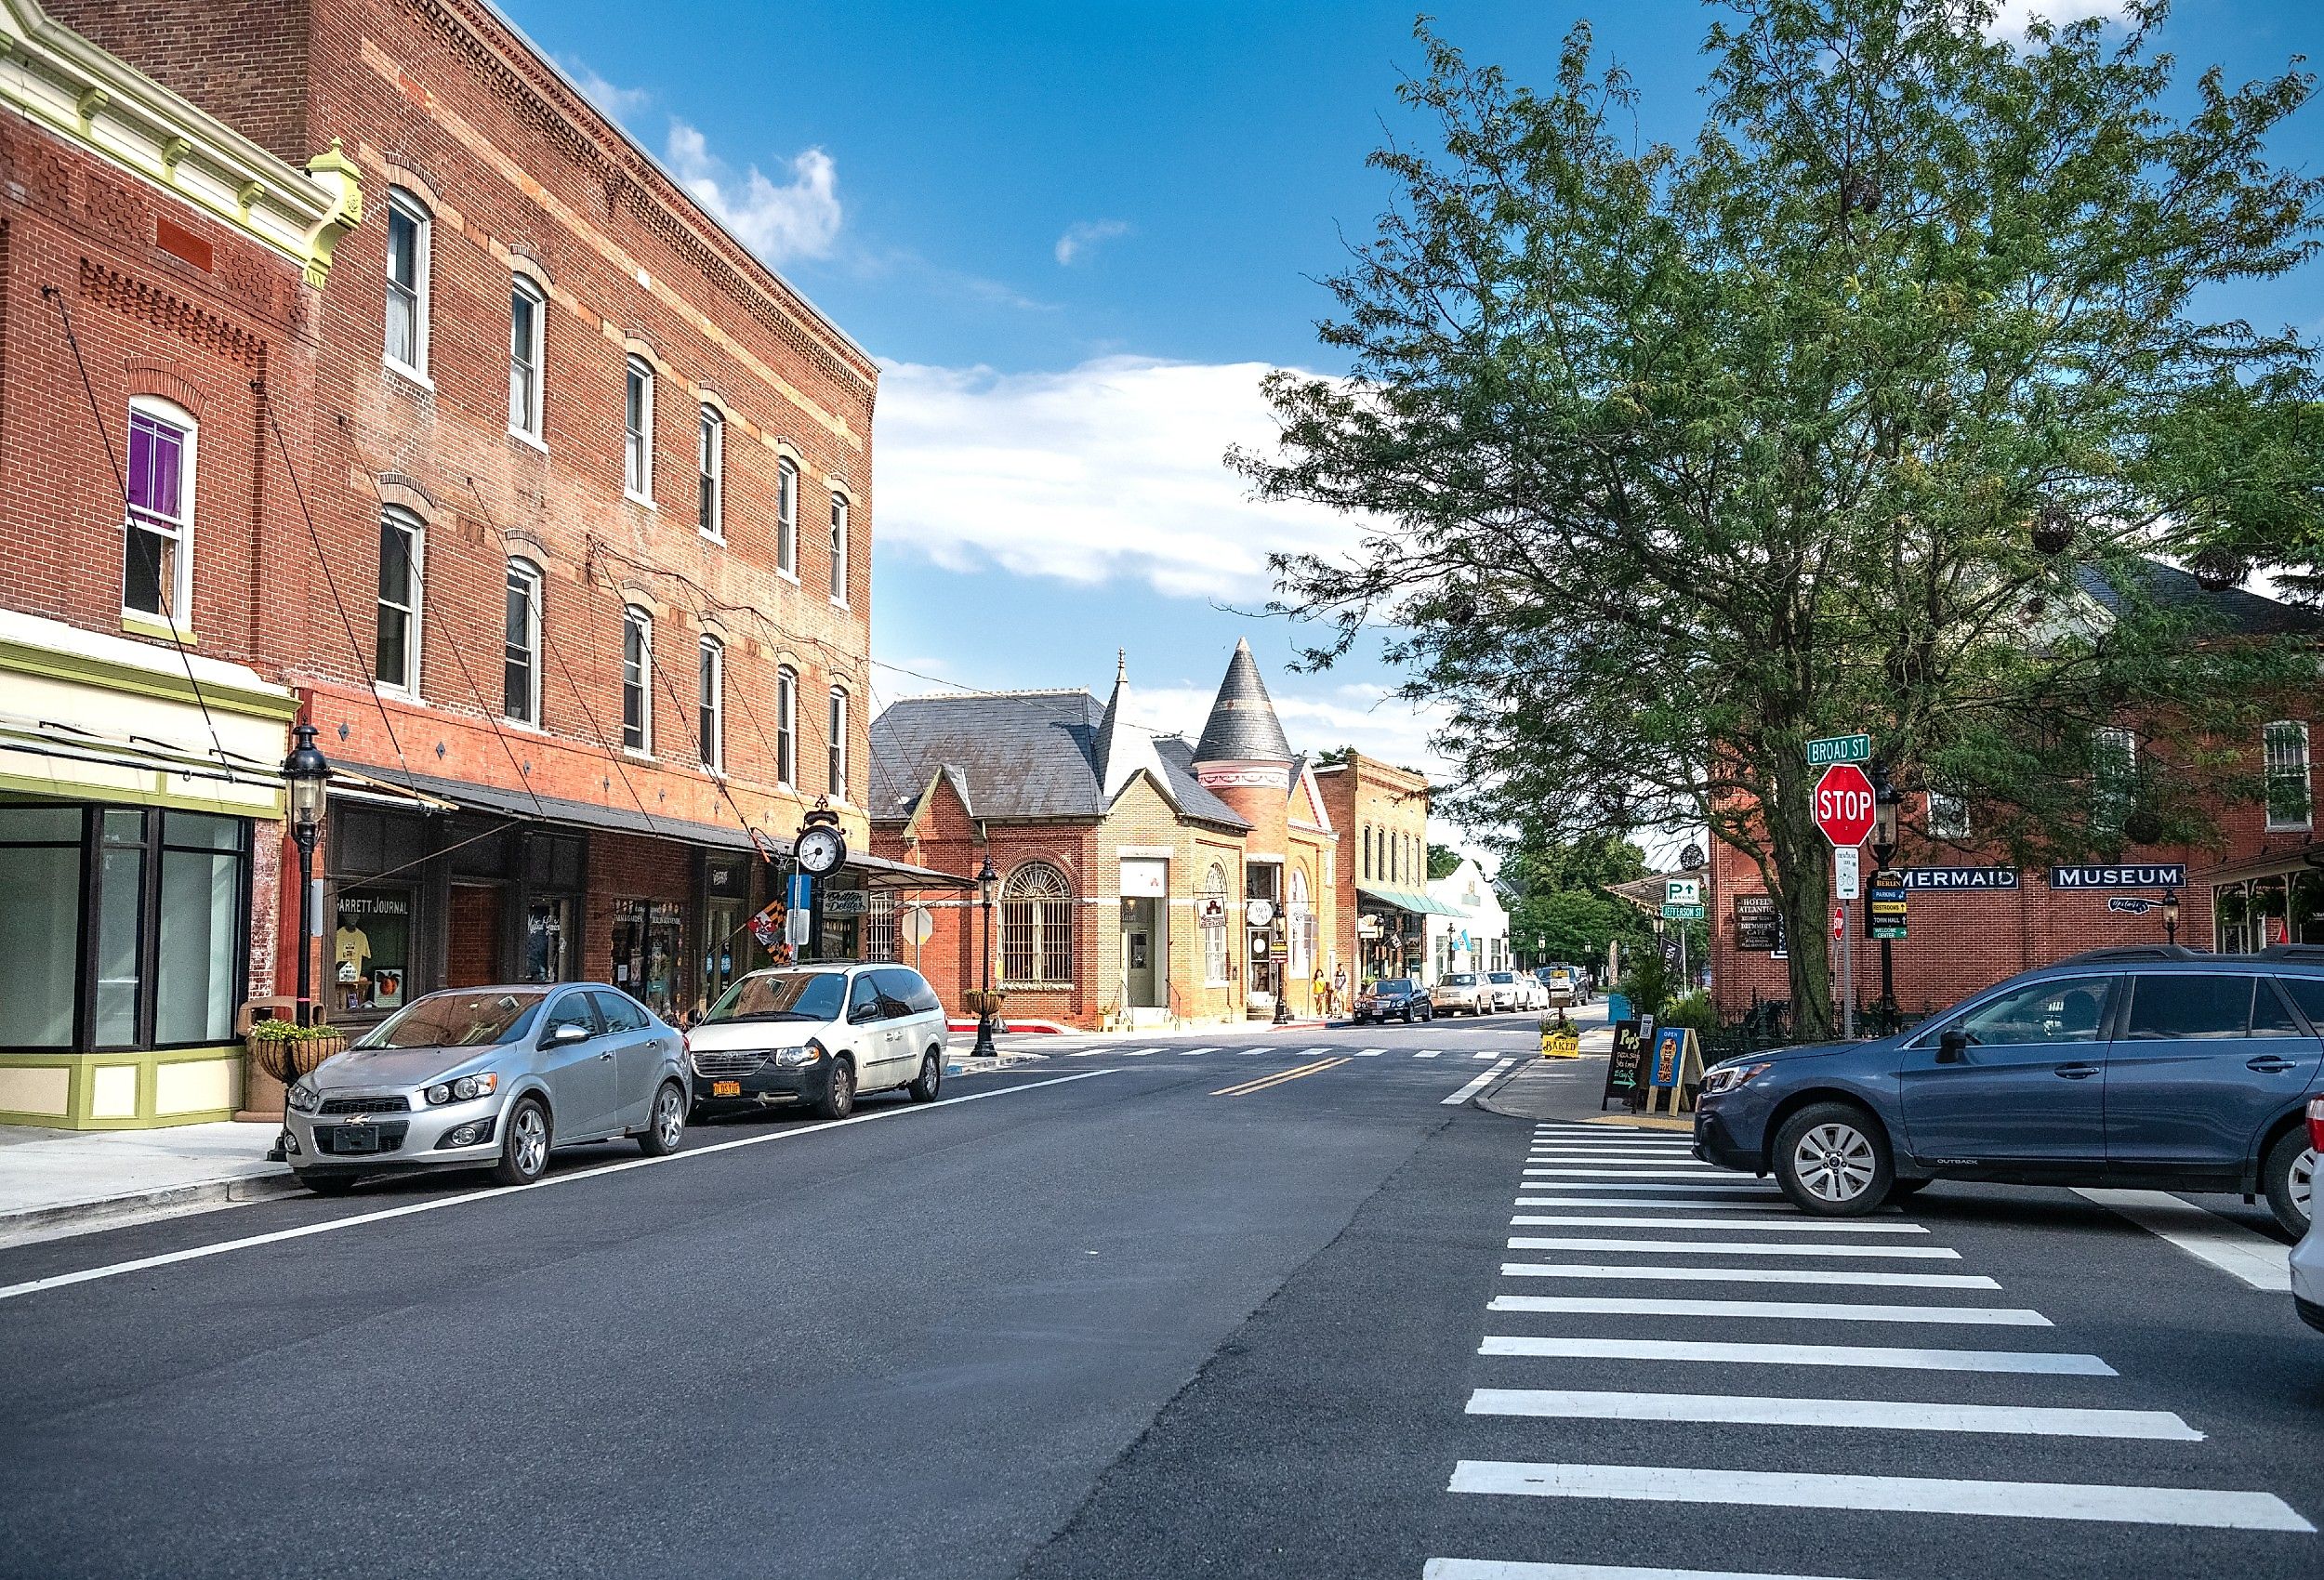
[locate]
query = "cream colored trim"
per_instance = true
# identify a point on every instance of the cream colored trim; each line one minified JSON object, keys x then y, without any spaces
{"x":101,"y":102}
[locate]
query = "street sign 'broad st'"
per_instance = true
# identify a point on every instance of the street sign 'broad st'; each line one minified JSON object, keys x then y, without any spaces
{"x":1839,"y":749}
{"x":1844,"y":804}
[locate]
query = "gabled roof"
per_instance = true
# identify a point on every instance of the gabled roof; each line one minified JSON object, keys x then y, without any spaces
{"x":1122,"y":748}
{"x":1243,"y":727}
{"x":2233,"y":609}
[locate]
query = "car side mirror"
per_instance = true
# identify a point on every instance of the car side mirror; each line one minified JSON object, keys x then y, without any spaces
{"x":1952,"y":1047}
{"x":570,"y":1032}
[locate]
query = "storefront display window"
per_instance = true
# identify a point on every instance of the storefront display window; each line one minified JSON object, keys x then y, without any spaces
{"x":371,"y":950}
{"x":649,"y":944}
{"x":547,"y":940}
{"x":121,"y":927}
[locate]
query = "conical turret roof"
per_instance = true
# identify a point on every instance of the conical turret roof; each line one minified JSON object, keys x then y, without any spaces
{"x":1122,"y":749}
{"x":1243,"y":727}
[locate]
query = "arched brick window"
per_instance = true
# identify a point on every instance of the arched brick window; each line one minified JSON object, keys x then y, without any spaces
{"x":1036,"y":926}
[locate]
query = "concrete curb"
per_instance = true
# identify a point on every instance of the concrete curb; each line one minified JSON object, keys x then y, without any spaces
{"x":121,"y":1212}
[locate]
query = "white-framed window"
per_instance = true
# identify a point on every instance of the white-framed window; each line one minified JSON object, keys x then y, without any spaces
{"x":786,"y":516}
{"x":1212,"y":914}
{"x":409,"y":235}
{"x":157,"y":531}
{"x":786,"y":727}
{"x":880,"y":925}
{"x":1037,"y":926}
{"x":1948,"y":815}
{"x":2291,"y":805}
{"x":710,"y":467}
{"x":712,"y":705}
{"x":637,"y":678}
{"x":839,"y":549}
{"x":402,"y":565}
{"x":839,"y":743}
{"x":1299,"y":922}
{"x":2114,"y":765}
{"x":637,"y":430}
{"x":521,"y":645}
{"x":528,"y":329}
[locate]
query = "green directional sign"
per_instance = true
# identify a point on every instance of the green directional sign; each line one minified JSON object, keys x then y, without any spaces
{"x":1674,"y":912}
{"x":1839,"y":749}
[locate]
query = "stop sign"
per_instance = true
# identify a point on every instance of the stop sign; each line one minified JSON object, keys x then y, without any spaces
{"x":1844,"y":805}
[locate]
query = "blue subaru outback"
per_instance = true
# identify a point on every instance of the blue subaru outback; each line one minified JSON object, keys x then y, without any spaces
{"x":2150,"y":1066}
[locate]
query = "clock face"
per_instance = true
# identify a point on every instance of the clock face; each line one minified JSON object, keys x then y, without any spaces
{"x":820,"y":850}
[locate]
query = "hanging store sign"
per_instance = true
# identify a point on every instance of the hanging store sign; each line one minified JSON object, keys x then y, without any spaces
{"x":2166,"y":876}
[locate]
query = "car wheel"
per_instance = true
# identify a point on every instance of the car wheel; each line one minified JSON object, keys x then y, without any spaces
{"x":931,"y":1079}
{"x":1831,"y":1160}
{"x":666,"y":1124}
{"x":524,"y":1144}
{"x":839,"y":1097}
{"x":2288,"y":1176}
{"x":328,"y":1184}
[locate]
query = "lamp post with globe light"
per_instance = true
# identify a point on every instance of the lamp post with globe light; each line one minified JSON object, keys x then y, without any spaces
{"x":308,"y":773}
{"x":987,"y":881}
{"x":1884,"y":801}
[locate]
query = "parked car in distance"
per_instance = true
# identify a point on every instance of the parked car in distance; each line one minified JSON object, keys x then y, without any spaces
{"x":1503,"y":987}
{"x":1392,"y":998}
{"x":816,"y":1036}
{"x":489,"y":1077}
{"x":2154,"y":1066}
{"x":1531,"y":995}
{"x":1558,"y":986}
{"x":1460,"y":993}
{"x":2307,"y":1258}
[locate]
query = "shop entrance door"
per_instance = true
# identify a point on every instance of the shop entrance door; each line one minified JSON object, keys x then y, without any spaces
{"x":1141,"y":954}
{"x":649,"y":951}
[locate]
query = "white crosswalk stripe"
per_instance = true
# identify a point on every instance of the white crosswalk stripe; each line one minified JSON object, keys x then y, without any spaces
{"x":1798,"y":1224}
{"x":2021,"y":1421}
{"x":1429,"y":1053}
{"x":2026,"y":1362}
{"x":1772,"y":1311}
{"x":1139,"y":1052}
{"x":1369,"y":1052}
{"x":1493,"y":1569}
{"x":1604,"y":1180}
{"x":1770,"y":1212}
{"x":1697,"y":1274}
{"x":1673,"y":1170}
{"x":1729,"y":1248}
{"x":1192,"y":1052}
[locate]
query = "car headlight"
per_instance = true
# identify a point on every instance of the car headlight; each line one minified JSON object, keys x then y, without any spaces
{"x":1726,"y":1077}
{"x":466,"y":1089}
{"x":794,"y":1056}
{"x":304,"y":1098}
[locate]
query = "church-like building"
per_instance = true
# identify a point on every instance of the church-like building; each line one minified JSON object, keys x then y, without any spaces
{"x":1143,"y":880}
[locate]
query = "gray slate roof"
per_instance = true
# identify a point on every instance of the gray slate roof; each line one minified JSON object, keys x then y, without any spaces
{"x":2231,"y":609}
{"x":1243,"y":727}
{"x":1020,"y":755}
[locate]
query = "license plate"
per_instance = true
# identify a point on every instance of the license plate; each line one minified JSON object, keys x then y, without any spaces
{"x":357,"y":1138}
{"x":726,"y":1088}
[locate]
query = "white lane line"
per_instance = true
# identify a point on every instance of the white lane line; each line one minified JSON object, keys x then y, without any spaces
{"x":1249,"y":1051}
{"x":1191,"y":1052}
{"x":1728,"y":1249}
{"x":1769,"y":1212}
{"x":1744,"y":1186}
{"x":1085,"y":1053}
{"x":511,"y":1192}
{"x":1474,"y":1087}
{"x":1908,"y":1495}
{"x":1638,"y":1171}
{"x":1141,"y":1052}
{"x":1801,"y":1224}
{"x":1903,"y":1416}
{"x":1498,"y":1568}
{"x":1849,"y":1276}
{"x":1800,"y":1310}
{"x":2230,"y":1247}
{"x":1369,"y":1052}
{"x":1431,"y":1053}
{"x":2032,"y":1362}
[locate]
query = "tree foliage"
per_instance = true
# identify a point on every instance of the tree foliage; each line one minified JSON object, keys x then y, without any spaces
{"x":1674,"y":459}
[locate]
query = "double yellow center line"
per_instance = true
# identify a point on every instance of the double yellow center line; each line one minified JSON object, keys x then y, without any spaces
{"x":1279,"y":1077}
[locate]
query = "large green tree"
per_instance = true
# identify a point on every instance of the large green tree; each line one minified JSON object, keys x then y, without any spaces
{"x":1867,"y":410}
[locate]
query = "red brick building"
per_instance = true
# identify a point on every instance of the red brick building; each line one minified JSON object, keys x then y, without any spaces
{"x":553,"y":510}
{"x":1973,"y":919}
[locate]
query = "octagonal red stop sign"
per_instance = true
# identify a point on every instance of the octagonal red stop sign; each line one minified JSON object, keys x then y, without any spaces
{"x":1844,"y":805}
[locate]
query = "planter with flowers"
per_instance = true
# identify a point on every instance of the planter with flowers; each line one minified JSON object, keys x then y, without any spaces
{"x":279,"y":1052}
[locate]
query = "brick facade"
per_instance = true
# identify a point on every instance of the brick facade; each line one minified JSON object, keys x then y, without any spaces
{"x":1381,"y":813}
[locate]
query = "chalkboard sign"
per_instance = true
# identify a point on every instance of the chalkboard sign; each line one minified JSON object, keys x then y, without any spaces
{"x":1625,"y":1071}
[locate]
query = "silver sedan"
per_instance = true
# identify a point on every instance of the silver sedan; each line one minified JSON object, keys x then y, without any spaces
{"x":489,"y":1077}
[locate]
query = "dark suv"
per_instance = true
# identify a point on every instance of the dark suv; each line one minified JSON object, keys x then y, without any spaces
{"x":2155,"y":1067}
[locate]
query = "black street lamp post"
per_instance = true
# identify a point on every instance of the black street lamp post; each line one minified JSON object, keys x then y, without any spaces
{"x":2171,"y":916}
{"x":308,"y":773}
{"x":1884,"y":799}
{"x":987,"y":881}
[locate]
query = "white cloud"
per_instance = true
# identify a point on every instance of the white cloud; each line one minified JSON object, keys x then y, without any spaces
{"x":2010,"y":16}
{"x":1083,"y":236}
{"x":799,"y":218}
{"x":612,"y":98}
{"x":1111,"y":470}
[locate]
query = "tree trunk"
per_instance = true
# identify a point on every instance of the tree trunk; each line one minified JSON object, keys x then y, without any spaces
{"x":1802,"y":857}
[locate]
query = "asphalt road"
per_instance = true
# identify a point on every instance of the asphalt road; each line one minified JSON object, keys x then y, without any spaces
{"x":1173,"y":1310}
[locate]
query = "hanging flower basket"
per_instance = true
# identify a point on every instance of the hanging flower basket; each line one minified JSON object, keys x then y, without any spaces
{"x":287,"y":1050}
{"x":2231,"y":909}
{"x":2270,"y":902}
{"x":980,"y":1003}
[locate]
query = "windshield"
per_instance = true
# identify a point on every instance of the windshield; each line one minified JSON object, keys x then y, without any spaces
{"x":1503,"y":977}
{"x":456,"y":1020}
{"x":1393,"y":984}
{"x":784,"y":995}
{"x":1461,"y":979}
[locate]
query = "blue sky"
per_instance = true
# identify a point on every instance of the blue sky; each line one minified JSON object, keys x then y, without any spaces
{"x":1078,"y":233}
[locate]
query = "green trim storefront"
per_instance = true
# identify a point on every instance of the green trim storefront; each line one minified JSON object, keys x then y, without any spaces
{"x":140,"y":827}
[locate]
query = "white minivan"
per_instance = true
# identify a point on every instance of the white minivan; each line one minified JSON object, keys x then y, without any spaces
{"x":816,"y":1036}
